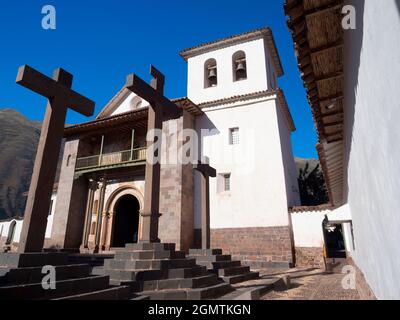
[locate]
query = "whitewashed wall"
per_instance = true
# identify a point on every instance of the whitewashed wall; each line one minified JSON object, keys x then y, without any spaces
{"x":5,"y":225}
{"x":126,"y":105}
{"x":258,"y":192}
{"x":308,"y":231}
{"x":307,"y":228}
{"x":373,"y":149}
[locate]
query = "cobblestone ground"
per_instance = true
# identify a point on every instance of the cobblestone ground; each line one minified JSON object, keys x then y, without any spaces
{"x":310,"y":284}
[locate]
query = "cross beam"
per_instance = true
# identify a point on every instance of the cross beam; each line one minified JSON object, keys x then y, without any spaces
{"x":50,"y":88}
{"x":60,"y":97}
{"x":153,"y":95}
{"x":160,"y":108}
{"x":206,"y":172}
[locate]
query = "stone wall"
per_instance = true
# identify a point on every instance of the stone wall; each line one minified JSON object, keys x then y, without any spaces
{"x":176,"y":189}
{"x":268,"y":245}
{"x":310,"y":257}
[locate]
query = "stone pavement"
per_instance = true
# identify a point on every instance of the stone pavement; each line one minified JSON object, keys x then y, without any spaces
{"x":310,"y":284}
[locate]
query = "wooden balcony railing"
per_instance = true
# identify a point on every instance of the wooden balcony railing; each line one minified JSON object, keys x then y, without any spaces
{"x":107,"y":159}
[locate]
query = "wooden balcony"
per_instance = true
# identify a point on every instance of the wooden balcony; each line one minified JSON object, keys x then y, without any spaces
{"x":104,"y":161}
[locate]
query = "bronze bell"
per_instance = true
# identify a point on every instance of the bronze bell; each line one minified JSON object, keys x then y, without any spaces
{"x":240,"y":67}
{"x":212,"y":75}
{"x":240,"y":71}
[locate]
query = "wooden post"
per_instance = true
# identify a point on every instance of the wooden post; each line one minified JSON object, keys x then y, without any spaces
{"x":60,"y":97}
{"x":132,"y":143}
{"x":101,"y":150}
{"x":206,"y":172}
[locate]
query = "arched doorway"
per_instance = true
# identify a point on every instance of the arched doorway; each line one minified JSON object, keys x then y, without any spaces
{"x":126,"y":221}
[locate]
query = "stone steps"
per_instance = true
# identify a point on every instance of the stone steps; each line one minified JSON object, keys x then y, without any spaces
{"x":21,"y":279}
{"x":113,"y":293}
{"x":211,"y":292}
{"x":233,"y":271}
{"x":188,"y":283}
{"x":149,"y":246}
{"x":204,"y":252}
{"x":63,"y":288}
{"x":158,"y":271}
{"x":149,"y":255}
{"x":241,"y":277}
{"x":26,"y":260}
{"x":223,"y":264}
{"x":135,"y":275}
{"x":155,"y":264}
{"x":211,"y":258}
{"x":228,"y":270}
{"x":10,"y":276}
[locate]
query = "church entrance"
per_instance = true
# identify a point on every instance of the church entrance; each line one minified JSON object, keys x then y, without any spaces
{"x":126,"y":221}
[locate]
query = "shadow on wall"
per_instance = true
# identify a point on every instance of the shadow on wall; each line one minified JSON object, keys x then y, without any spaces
{"x":353,"y":40}
{"x":398,"y":5}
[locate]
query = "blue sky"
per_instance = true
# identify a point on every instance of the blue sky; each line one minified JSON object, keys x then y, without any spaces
{"x":100,"y":42}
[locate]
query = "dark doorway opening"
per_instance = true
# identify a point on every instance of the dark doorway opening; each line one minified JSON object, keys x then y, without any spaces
{"x":126,"y":223}
{"x":334,"y":240}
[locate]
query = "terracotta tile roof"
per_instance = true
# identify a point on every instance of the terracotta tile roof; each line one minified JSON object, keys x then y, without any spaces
{"x":135,"y":116}
{"x":260,"y":94}
{"x":317,"y":34}
{"x":264,"y":32}
{"x":300,"y":209}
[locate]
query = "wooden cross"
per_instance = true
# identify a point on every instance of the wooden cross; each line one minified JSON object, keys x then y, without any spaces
{"x":160,"y":108}
{"x":206,"y":172}
{"x":60,"y":97}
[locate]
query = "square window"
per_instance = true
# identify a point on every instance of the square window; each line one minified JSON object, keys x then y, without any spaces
{"x":224,"y":183}
{"x":227,"y":182}
{"x":234,"y":136}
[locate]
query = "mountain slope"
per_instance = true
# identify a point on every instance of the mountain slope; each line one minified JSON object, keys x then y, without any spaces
{"x":18,"y":142}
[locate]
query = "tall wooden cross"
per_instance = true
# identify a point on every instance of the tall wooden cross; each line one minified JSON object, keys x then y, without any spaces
{"x":206,"y":172}
{"x":160,"y":108}
{"x":60,"y":97}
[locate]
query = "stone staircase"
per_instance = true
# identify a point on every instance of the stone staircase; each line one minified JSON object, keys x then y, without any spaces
{"x":228,"y":270}
{"x":158,"y":271}
{"x":21,"y":279}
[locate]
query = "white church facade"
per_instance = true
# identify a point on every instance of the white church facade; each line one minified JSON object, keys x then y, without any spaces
{"x":242,"y":124}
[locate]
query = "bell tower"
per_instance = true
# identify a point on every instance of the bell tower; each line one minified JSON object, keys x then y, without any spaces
{"x":237,"y":65}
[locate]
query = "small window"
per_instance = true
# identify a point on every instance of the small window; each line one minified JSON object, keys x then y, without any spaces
{"x":68,"y":160}
{"x":234,"y":136}
{"x":239,"y":66}
{"x":227,"y":182}
{"x":223,"y":182}
{"x":210,"y":73}
{"x":51,"y":207}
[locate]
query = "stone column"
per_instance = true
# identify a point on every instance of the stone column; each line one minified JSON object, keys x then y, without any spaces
{"x":103,"y":186}
{"x":104,"y":230}
{"x":69,"y":216}
{"x":108,"y":236}
{"x":89,"y":210}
